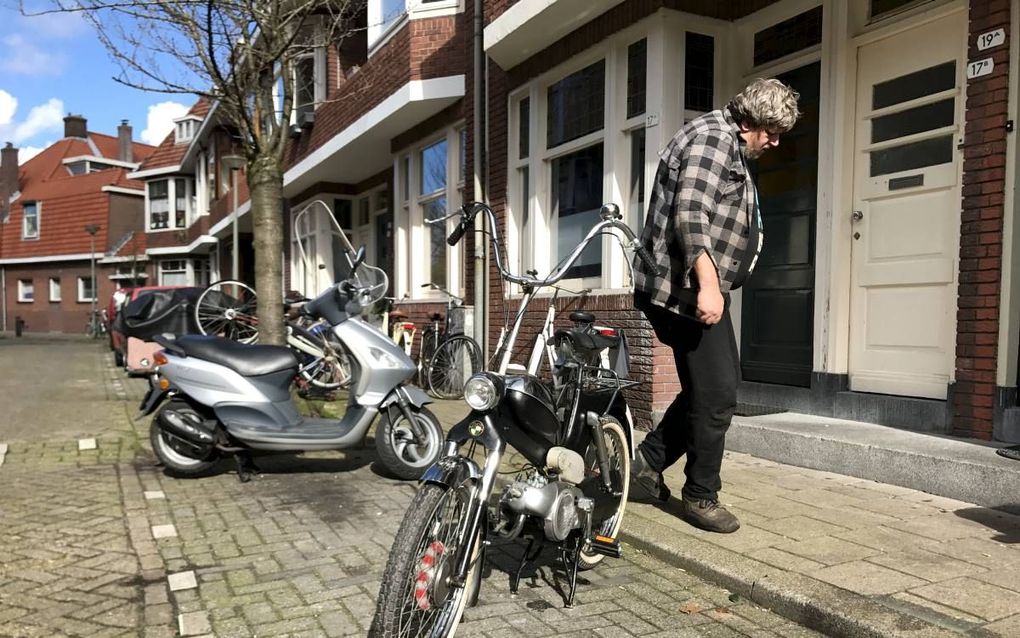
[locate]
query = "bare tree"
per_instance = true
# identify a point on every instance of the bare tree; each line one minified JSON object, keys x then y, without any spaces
{"x":249,"y":58}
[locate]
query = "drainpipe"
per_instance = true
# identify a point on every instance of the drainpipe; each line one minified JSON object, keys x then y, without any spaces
{"x":3,"y":295}
{"x":481,"y":318}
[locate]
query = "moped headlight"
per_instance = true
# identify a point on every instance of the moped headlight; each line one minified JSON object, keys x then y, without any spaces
{"x":480,"y":393}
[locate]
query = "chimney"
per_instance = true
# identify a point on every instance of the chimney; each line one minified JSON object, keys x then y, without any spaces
{"x":125,"y":151}
{"x":8,"y":176}
{"x":75,"y":126}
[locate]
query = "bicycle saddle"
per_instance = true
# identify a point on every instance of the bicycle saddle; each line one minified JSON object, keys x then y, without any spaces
{"x":247,"y":360}
{"x":437,"y":316}
{"x":397,"y":315}
{"x":580,"y":316}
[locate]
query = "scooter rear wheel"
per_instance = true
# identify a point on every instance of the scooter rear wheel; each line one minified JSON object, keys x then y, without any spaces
{"x":403,"y":454}
{"x":175,"y":455}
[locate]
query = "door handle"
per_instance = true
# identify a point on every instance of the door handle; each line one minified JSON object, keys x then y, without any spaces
{"x":857,"y":216}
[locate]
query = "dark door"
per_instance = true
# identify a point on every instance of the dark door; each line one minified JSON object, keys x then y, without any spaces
{"x":778,"y":300}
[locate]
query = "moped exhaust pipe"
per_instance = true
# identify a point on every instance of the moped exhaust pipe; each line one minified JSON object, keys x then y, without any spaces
{"x":185,"y":428}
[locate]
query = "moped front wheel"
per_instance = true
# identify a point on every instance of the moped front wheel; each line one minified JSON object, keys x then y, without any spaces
{"x":619,"y":468}
{"x":417,"y":596}
{"x":407,"y":451}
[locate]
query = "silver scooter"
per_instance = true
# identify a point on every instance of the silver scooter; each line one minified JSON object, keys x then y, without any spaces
{"x":224,"y":397}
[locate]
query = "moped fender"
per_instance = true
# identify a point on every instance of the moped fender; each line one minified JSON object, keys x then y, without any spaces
{"x":414,"y":395}
{"x":152,"y":399}
{"x":451,"y":471}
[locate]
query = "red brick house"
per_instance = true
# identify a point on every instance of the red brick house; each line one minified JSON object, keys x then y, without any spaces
{"x":45,"y":251}
{"x":885,"y":293}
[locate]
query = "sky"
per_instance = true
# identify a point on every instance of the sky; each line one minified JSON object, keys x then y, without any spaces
{"x":54,"y":65}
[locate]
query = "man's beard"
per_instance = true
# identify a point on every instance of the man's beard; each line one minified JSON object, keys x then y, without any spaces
{"x":749,"y":153}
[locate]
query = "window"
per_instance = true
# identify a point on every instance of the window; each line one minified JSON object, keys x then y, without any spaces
{"x":26,"y":292}
{"x":383,"y":15}
{"x":159,"y":205}
{"x":802,"y":31}
{"x":86,"y":290}
{"x":54,"y":288}
{"x":173,"y":272}
{"x":185,"y":130}
{"x":78,"y":168}
{"x":637,"y":179}
{"x":699,"y":74}
{"x":637,"y":63}
{"x":576,"y":190}
{"x":30,"y":220}
{"x":160,"y":193}
{"x":432,"y":200}
{"x":878,"y":8}
{"x":427,"y":188}
{"x":576,"y":105}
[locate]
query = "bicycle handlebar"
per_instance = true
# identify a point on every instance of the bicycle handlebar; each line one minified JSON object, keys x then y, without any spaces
{"x":610,"y":218}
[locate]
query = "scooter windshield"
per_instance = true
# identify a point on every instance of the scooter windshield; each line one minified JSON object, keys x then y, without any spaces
{"x":327,"y":256}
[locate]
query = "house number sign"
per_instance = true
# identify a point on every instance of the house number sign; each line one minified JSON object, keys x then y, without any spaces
{"x":979,"y":68}
{"x":991,"y":39}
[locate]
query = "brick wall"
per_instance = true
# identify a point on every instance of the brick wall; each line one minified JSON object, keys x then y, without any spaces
{"x":67,"y":315}
{"x":984,"y":162}
{"x":421,"y":49}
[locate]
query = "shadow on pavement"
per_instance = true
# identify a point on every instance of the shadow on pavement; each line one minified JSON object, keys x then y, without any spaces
{"x":1007,"y":525}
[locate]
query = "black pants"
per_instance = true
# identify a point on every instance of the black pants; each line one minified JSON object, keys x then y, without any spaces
{"x":695,"y":423}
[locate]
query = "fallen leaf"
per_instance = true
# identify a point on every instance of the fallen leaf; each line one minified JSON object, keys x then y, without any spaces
{"x":690,"y":607}
{"x":721,"y":610}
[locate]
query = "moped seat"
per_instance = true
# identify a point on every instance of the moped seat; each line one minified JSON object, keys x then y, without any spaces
{"x":247,"y":360}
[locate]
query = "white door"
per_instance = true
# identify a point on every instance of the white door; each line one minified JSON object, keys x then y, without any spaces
{"x":910,"y":95}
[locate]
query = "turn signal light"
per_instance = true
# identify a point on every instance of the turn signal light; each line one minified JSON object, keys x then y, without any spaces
{"x":160,"y":359}
{"x":164,"y":384}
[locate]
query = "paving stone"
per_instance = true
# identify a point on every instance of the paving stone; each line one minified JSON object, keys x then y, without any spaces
{"x":867,"y":578}
{"x":164,"y":531}
{"x":87,"y":444}
{"x":828,"y":550}
{"x":974,"y":597}
{"x":182,"y":580}
{"x":154,"y":495}
{"x":194,"y":624}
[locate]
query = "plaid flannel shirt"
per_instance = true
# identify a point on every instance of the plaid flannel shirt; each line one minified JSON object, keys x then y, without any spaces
{"x":701,"y":201}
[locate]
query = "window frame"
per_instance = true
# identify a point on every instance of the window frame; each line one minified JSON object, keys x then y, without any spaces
{"x":26,"y":286}
{"x":190,"y":202}
{"x":37,"y":207}
{"x":410,"y":229}
{"x":55,"y":298}
{"x":82,"y":298}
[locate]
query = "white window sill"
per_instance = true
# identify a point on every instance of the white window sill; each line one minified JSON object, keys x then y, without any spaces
{"x":386,"y":35}
{"x":435,"y":9}
{"x":32,"y":238}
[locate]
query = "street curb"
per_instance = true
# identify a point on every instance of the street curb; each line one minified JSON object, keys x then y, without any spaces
{"x":813,"y":603}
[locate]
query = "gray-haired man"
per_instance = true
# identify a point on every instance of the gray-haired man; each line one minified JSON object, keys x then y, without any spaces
{"x":705,"y":232}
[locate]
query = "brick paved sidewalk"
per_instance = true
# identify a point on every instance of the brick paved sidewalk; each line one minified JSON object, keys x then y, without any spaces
{"x":849,"y":554}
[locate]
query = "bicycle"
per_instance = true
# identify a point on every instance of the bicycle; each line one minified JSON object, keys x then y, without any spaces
{"x":96,"y":325}
{"x":227,"y":308}
{"x":448,"y":356}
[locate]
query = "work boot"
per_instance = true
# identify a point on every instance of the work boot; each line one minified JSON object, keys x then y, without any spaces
{"x":709,"y":515}
{"x":649,"y":482}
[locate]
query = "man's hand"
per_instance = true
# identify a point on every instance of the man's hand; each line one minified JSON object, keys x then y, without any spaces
{"x":710,"y":306}
{"x":710,"y":299}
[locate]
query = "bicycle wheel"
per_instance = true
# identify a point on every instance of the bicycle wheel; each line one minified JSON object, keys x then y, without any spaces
{"x":455,"y":360}
{"x":227,"y":309}
{"x":330,"y":368}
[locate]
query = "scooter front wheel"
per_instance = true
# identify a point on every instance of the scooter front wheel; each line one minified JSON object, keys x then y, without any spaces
{"x":401,"y":451}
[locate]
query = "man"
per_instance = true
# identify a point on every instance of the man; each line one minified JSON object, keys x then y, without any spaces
{"x":705,"y":233}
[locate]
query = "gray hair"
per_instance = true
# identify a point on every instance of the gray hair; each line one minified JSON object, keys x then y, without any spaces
{"x":766,"y":104}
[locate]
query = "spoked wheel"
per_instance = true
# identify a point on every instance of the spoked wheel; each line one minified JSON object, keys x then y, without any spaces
{"x":453,"y":363}
{"x":228,"y":309}
{"x":403,"y":452}
{"x":608,"y":520}
{"x":417,"y":597}
{"x":330,"y":367}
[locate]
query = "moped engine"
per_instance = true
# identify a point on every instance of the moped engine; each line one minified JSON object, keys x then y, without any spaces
{"x":553,"y":502}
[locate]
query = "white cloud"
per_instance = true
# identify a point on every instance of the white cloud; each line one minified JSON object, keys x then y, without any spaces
{"x":42,"y":118}
{"x":23,"y":57}
{"x":160,"y":121}
{"x":28,"y":152}
{"x":8,"y":106}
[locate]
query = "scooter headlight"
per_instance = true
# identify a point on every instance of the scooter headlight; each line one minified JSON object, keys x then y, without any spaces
{"x":481,"y":392}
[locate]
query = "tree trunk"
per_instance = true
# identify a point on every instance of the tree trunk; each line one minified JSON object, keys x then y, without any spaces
{"x":265,"y":182}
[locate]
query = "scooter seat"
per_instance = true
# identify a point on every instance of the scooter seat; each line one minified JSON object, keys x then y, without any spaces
{"x":247,"y":360}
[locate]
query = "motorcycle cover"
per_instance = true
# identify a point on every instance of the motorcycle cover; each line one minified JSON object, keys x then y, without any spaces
{"x":159,"y":312}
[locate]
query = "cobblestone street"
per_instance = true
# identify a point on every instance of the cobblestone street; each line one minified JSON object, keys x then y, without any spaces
{"x":99,"y":542}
